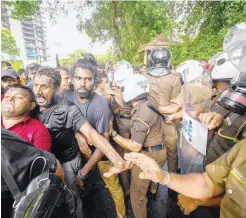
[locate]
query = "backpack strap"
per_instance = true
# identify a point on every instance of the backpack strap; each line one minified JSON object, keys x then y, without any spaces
{"x":9,"y":180}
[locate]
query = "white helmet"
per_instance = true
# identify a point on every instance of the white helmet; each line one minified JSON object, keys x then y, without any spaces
{"x":123,"y":70}
{"x":135,"y":87}
{"x":191,"y":69}
{"x":223,"y":69}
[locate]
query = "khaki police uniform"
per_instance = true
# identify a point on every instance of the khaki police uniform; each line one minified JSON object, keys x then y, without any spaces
{"x":229,"y":172}
{"x":230,"y":132}
{"x":146,"y":130}
{"x":162,"y":90}
{"x":124,"y":117}
{"x":112,"y":182}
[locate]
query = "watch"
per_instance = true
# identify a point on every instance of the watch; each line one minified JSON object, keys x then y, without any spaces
{"x":82,"y":178}
{"x":114,"y":134}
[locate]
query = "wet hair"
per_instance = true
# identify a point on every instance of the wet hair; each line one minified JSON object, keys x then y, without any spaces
{"x":19,"y":86}
{"x":51,"y":73}
{"x":20,"y":71}
{"x":86,"y":64}
{"x":5,"y":64}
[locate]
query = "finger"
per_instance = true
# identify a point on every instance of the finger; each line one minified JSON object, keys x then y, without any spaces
{"x":186,"y":212}
{"x":109,"y":173}
{"x":201,"y":117}
{"x":144,"y":175}
{"x":208,"y":119}
{"x":178,"y":204}
{"x":181,"y":208}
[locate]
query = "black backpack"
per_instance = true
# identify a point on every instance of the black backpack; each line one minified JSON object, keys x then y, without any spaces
{"x":45,"y":196}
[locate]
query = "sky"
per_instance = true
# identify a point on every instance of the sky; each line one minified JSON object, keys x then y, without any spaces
{"x":63,"y":37}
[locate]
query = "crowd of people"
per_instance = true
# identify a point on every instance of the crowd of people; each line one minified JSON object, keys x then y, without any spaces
{"x":125,"y":122}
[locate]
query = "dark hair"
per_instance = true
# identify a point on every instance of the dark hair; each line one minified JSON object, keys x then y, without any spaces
{"x":103,"y":75}
{"x":51,"y":73}
{"x":204,"y":60}
{"x":5,"y":64}
{"x":90,"y":57}
{"x":20,"y":71}
{"x":86,"y":64}
{"x":32,"y":66}
{"x":19,"y":86}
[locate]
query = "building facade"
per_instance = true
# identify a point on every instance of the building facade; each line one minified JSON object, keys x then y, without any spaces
{"x":30,"y":36}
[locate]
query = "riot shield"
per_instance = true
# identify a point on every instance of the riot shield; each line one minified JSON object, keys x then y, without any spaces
{"x":197,"y":96}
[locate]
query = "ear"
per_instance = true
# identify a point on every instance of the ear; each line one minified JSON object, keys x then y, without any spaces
{"x":33,"y":105}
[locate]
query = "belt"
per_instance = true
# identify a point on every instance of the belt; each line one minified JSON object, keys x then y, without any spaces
{"x":122,"y":117}
{"x":154,"y":148}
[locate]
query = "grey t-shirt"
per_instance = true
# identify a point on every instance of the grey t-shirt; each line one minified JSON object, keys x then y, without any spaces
{"x":95,"y":110}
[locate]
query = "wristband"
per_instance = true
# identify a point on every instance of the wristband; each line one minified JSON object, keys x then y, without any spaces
{"x":82,"y":178}
{"x":114,"y":134}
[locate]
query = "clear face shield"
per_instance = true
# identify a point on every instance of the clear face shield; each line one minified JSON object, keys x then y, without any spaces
{"x":197,"y":96}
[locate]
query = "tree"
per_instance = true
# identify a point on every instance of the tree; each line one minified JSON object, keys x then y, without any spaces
{"x":22,"y":10}
{"x":128,"y":24}
{"x":71,"y":58}
{"x":8,"y":44}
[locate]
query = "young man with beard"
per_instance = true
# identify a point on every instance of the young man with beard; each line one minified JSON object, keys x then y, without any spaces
{"x":16,"y":106}
{"x":66,"y":83}
{"x":95,"y":109}
{"x":62,"y":121}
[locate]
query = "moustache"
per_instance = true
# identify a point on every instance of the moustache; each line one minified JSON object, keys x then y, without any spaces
{"x":40,"y":96}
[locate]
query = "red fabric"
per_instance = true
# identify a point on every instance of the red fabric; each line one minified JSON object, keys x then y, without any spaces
{"x":208,"y":67}
{"x":32,"y":131}
{"x":2,"y":96}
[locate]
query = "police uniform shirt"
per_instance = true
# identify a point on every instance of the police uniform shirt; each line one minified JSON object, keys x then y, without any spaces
{"x":63,"y":120}
{"x":229,"y":172}
{"x":95,"y":110}
{"x":196,"y":94}
{"x":146,"y":125}
{"x":164,"y":88}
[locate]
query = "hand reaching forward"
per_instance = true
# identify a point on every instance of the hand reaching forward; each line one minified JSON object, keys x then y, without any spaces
{"x":118,"y":168}
{"x":150,"y":168}
{"x":186,"y":204}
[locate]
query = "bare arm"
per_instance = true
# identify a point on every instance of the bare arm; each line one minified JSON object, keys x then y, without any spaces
{"x":169,"y":109}
{"x":101,"y":143}
{"x":96,"y":156}
{"x":127,"y":143}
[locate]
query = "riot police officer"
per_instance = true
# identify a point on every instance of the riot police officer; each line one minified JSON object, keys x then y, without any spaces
{"x":164,"y":86}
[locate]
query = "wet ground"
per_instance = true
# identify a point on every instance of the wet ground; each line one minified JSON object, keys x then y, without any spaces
{"x":99,"y":204}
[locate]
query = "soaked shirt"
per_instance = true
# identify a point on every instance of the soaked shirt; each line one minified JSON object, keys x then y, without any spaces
{"x":146,"y":125}
{"x":63,"y":120}
{"x":229,"y":172}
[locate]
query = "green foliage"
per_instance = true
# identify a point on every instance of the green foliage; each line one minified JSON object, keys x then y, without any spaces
{"x":73,"y":57}
{"x":22,"y":10}
{"x":199,"y":25}
{"x":135,"y":24}
{"x":8,"y":44}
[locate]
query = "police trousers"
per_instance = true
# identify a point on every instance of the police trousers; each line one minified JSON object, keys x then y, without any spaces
{"x":139,"y":187}
{"x":114,"y":187}
{"x":71,"y":169}
{"x":170,"y":134}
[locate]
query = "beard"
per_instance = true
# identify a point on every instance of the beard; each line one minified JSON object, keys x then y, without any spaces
{"x":86,"y":94}
{"x":7,"y":110}
{"x":42,"y":101}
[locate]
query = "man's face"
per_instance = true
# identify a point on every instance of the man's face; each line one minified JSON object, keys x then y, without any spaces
{"x":103,"y":84}
{"x":31,"y":73}
{"x":43,"y":89}
{"x":65,"y":80}
{"x":16,"y":103}
{"x":7,"y":81}
{"x":83,"y":80}
{"x":24,"y":76}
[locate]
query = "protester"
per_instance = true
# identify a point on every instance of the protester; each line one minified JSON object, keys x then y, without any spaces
{"x":23,"y":76}
{"x":95,"y":109}
{"x":16,"y":106}
{"x":66,"y":81}
{"x":205,"y":65}
{"x":31,"y":70}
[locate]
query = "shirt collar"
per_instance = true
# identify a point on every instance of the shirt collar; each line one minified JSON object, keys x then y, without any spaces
{"x":137,"y":106}
{"x":26,"y":120}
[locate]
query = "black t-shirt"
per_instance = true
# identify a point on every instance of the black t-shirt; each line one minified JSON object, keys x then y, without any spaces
{"x":63,"y":120}
{"x":95,"y":110}
{"x":18,"y":156}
